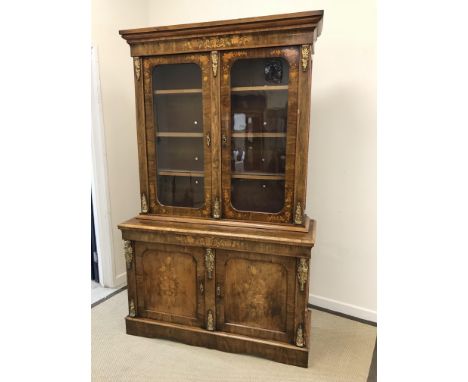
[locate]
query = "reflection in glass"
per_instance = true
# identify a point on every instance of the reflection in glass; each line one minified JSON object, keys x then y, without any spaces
{"x":258,"y":155}
{"x":258,"y":72}
{"x":259,"y":107}
{"x":178,"y":116}
{"x":257,"y":195}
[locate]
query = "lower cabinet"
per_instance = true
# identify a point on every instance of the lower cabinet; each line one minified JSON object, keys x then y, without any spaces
{"x":221,"y":296}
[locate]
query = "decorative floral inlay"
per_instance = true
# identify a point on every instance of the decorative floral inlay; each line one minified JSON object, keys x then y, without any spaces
{"x":168,"y":284}
{"x":214,"y":42}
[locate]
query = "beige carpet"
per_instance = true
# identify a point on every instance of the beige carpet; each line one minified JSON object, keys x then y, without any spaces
{"x":341,"y":350}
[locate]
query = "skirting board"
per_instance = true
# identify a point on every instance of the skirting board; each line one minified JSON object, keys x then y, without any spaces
{"x":342,"y":307}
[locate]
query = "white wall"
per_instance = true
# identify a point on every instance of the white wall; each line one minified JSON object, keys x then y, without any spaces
{"x":118,"y":103}
{"x":342,"y":156}
{"x":342,"y":160}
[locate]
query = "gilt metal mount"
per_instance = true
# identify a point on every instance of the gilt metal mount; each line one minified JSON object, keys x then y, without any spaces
{"x":305,"y":56}
{"x":137,"y":65}
{"x":299,"y":214}
{"x":144,"y":204}
{"x":210,"y":321}
{"x":214,"y":62}
{"x":128,"y":252}
{"x":217,"y":208}
{"x":302,"y":273}
{"x":300,"y":336}
{"x":210,"y":262}
{"x":132,"y":311}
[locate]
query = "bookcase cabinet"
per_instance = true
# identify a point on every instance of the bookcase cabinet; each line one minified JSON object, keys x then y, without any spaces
{"x":219,"y":254}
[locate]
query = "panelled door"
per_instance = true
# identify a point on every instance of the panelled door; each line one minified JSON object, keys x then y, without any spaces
{"x":177,"y":105}
{"x":255,"y":295}
{"x":259,"y":103}
{"x":170,"y":283}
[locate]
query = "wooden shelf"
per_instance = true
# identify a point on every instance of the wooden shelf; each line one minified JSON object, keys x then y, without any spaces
{"x":177,"y":91}
{"x":197,"y":174}
{"x":257,"y":176}
{"x":169,"y":134}
{"x":259,"y":88}
{"x":257,"y":135}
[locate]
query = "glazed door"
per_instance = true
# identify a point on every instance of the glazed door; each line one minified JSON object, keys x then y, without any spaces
{"x":170,"y":283}
{"x":177,"y":96}
{"x":255,"y":295}
{"x":259,"y":93}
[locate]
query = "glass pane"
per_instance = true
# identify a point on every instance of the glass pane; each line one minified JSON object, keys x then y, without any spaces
{"x":260,"y":71}
{"x":180,"y":154}
{"x":259,"y":110}
{"x":177,"y":76}
{"x":168,"y":111}
{"x":257,"y":195}
{"x":181,"y":191}
{"x":178,"y":117}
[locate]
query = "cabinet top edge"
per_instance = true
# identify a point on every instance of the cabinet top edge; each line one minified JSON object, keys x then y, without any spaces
{"x":308,"y":19}
{"x":305,"y":239}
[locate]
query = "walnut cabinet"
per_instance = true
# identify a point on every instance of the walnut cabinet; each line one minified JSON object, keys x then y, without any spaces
{"x":219,"y":255}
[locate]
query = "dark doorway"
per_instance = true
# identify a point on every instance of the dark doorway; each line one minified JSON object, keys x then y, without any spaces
{"x":94,"y":254}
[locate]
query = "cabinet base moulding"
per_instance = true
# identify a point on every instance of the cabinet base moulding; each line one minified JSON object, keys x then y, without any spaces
{"x":273,"y":350}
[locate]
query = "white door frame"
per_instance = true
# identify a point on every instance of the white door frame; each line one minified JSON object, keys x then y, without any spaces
{"x":99,"y":183}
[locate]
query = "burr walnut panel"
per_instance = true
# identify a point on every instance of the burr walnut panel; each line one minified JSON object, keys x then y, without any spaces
{"x":163,"y":272}
{"x":255,"y":294}
{"x":167,"y":281}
